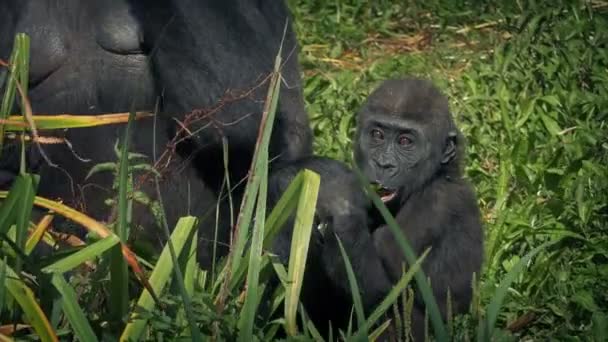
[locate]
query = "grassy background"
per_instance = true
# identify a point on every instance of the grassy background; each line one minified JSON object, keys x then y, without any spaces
{"x":528,"y":86}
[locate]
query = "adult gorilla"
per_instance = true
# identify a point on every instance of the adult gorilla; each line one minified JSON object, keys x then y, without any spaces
{"x":207,"y":61}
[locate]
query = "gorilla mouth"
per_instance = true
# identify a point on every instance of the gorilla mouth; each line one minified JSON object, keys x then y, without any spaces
{"x":385,"y":194}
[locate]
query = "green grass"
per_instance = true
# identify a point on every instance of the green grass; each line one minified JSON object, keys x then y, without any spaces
{"x":528,"y":86}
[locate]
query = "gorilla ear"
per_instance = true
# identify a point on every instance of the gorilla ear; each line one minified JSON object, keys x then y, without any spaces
{"x":449,"y":150}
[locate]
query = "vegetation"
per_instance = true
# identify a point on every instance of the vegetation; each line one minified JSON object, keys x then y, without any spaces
{"x":528,"y":83}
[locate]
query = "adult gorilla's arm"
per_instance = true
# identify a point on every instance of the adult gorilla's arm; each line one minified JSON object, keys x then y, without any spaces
{"x":214,"y":57}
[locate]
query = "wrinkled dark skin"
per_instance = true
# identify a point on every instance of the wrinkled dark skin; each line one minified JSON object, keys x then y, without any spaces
{"x":105,"y":56}
{"x":407,"y":142}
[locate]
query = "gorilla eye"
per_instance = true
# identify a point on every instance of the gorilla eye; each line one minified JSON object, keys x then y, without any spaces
{"x":377,"y":134}
{"x":404,"y":140}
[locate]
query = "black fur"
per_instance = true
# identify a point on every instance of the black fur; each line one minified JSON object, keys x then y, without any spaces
{"x":343,"y":207}
{"x":104,"y":56}
{"x":407,"y":142}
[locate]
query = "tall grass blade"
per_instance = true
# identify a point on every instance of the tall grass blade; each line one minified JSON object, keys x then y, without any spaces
{"x":23,"y":61}
{"x":356,"y":295}
{"x":299,"y":246}
{"x":374,"y":335}
{"x":39,"y":233}
{"x":275,"y":221}
{"x":73,"y":311}
{"x":88,"y":253}
{"x":486,"y":327}
{"x":10,"y":89}
{"x":179,"y":278}
{"x":119,"y":277}
{"x":26,"y":185}
{"x":283,"y":209}
{"x":7,"y":212}
{"x":61,"y":121}
{"x":395,"y":292}
{"x":262,"y":141}
{"x":183,"y":232}
{"x":188,"y":264}
{"x":27,"y":301}
{"x":91,"y":225}
{"x":259,"y":182}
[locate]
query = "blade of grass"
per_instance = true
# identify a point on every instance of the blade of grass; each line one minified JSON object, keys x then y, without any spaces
{"x":119,"y":277}
{"x":62,"y":121}
{"x":283,"y":209}
{"x":92,"y":226}
{"x":10,"y":90}
{"x":396,"y":291}
{"x":38,"y":233}
{"x":356,"y":295}
{"x":23,"y":61}
{"x":83,"y":255}
{"x":260,"y":178}
{"x":27,"y":301}
{"x":72,"y":310}
{"x":374,"y":335}
{"x":255,"y":255}
{"x":262,"y":142}
{"x":188,"y":264}
{"x":299,"y":246}
{"x":161,"y":273}
{"x":194,"y":331}
{"x":275,"y":221}
{"x":7,"y":212}
{"x":26,"y":188}
{"x":486,"y":326}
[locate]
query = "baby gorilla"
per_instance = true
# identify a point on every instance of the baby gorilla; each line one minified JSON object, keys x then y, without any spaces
{"x":407,"y":143}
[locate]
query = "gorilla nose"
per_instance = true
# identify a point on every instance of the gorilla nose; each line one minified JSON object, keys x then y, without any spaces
{"x":385,"y":165}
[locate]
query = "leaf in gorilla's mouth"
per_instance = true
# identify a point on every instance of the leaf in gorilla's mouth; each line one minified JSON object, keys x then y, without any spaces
{"x":385,"y":194}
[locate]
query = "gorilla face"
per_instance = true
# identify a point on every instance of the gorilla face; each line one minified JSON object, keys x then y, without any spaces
{"x":391,"y":152}
{"x":405,"y":137}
